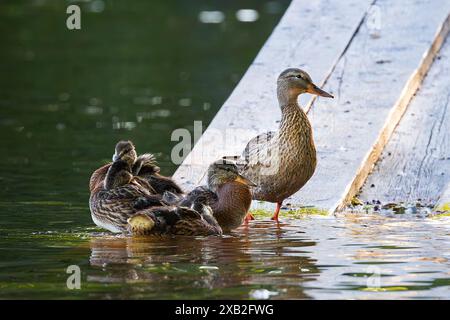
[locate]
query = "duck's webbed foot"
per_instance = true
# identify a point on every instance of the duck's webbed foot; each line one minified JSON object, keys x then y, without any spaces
{"x":148,"y":201}
{"x":277,"y":212}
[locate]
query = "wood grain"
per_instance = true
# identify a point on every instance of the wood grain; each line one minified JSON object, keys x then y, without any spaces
{"x":416,"y":162}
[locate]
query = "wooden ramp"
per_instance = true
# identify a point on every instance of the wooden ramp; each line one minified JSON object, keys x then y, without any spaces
{"x":415,"y":164}
{"x":372,"y":55}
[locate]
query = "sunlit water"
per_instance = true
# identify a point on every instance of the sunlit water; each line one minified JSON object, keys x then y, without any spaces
{"x":138,"y":71}
{"x":349,"y":257}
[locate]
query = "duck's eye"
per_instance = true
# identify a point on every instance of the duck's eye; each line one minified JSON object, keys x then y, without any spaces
{"x":299,"y":77}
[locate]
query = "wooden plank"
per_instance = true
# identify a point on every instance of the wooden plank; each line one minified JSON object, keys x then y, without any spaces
{"x":373,"y":84}
{"x":310,"y":35}
{"x":415,"y":163}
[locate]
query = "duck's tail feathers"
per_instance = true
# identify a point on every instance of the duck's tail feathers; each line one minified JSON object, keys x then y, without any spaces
{"x":146,"y":160}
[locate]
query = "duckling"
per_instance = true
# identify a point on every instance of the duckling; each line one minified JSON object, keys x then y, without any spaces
{"x":120,"y":171}
{"x":227,"y":195}
{"x":281,"y":162}
{"x":147,"y":168}
{"x":173,"y":220}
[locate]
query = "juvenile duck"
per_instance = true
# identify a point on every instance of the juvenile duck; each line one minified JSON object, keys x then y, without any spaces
{"x":147,"y":168}
{"x":119,"y":172}
{"x":227,"y":194}
{"x":173,"y":220}
{"x":281,"y":162}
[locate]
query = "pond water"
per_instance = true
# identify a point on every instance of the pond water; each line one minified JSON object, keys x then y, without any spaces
{"x":355,"y":256}
{"x":138,"y":70}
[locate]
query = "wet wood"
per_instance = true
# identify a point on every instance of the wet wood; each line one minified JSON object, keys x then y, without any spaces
{"x":415,"y":165}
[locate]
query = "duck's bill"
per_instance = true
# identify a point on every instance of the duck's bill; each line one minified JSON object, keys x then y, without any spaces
{"x":244,"y":180}
{"x":313,"y":89}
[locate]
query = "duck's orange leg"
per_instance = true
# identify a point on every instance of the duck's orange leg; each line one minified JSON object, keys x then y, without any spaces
{"x":277,"y":211}
{"x":248,"y":217}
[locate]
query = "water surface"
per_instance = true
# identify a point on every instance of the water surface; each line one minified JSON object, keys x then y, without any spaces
{"x":350,"y":257}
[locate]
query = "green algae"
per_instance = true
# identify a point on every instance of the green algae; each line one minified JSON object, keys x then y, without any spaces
{"x":296,"y":213}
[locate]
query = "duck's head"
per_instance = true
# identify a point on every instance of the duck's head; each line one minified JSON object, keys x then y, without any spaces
{"x":225,"y":171}
{"x":126,"y":152}
{"x":292,"y":82}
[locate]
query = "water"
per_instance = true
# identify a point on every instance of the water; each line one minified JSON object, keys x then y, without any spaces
{"x":350,"y":257}
{"x":138,"y":71}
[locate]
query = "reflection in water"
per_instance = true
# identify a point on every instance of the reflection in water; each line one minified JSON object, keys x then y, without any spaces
{"x":350,"y":257}
{"x":355,"y":256}
{"x":345,"y":257}
{"x":407,"y":256}
{"x":264,"y":256}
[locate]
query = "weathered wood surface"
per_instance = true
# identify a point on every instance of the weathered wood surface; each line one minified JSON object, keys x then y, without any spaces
{"x":312,"y":36}
{"x":378,"y":70}
{"x":373,"y":83}
{"x":415,"y":164}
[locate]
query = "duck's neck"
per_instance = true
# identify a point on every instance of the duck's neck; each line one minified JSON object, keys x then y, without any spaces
{"x":234,"y":200}
{"x":293,"y":118}
{"x":294,"y":126}
{"x":286,"y":95}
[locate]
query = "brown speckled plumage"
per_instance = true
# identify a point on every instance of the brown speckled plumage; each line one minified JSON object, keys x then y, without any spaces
{"x":233,"y":201}
{"x":290,"y":161}
{"x":172,"y":220}
{"x":280,"y":163}
{"x":227,"y":195}
{"x":123,"y":202}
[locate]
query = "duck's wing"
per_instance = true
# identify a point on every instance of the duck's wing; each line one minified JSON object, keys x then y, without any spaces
{"x":96,"y":180}
{"x":161,"y":184}
{"x":120,"y":203}
{"x":254,"y":152}
{"x":200,"y":196}
{"x":145,"y":164}
{"x":257,"y":144}
{"x":194,"y":222}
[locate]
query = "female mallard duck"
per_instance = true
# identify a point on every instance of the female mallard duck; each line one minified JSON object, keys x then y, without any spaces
{"x":228,"y":195}
{"x":281,"y":162}
{"x":116,"y":194}
{"x":122,"y":202}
